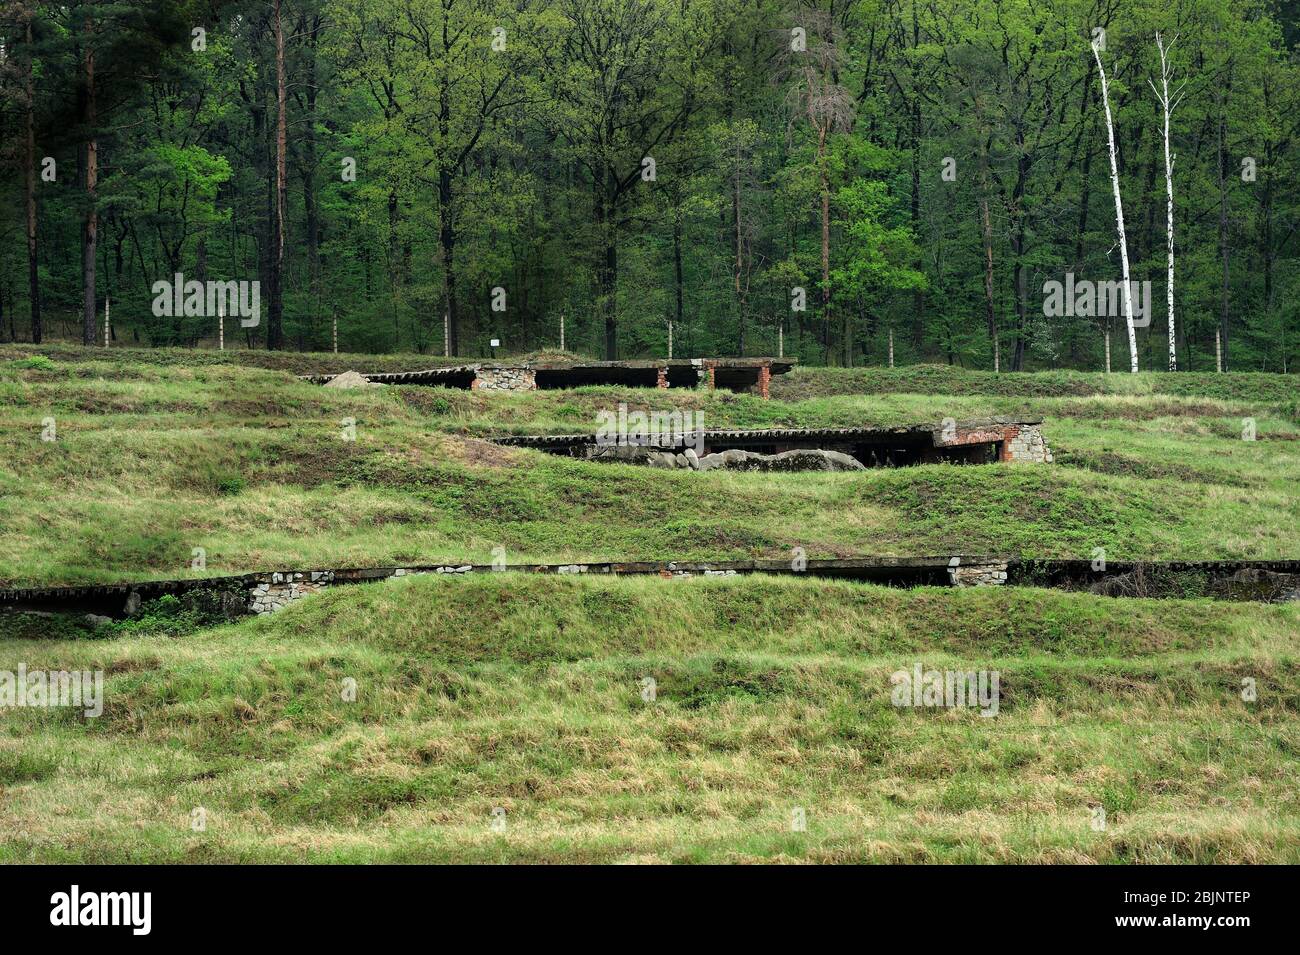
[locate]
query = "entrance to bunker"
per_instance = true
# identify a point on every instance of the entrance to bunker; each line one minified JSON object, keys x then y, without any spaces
{"x":901,"y":451}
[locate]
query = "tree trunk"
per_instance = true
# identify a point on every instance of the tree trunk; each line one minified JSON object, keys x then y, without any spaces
{"x":826,"y":244}
{"x":740,"y":251}
{"x":447,"y":243}
{"x":918,"y":294}
{"x":1221,"y":347}
{"x":309,"y":182}
{"x":29,"y":189}
{"x":265,"y":229}
{"x":1119,"y":216}
{"x":1167,"y":106}
{"x":275,"y":318}
{"x":1018,"y":283}
{"x":394,"y":262}
{"x":989,"y":316}
{"x":607,"y":266}
{"x":90,"y":180}
{"x":677,"y":263}
{"x":609,"y":294}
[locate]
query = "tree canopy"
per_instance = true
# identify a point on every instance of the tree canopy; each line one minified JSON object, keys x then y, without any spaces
{"x":843,"y":180}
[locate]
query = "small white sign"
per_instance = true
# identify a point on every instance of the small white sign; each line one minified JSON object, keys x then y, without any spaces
{"x":496,"y":343}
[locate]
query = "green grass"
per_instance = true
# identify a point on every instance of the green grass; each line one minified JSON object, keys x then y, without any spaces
{"x":948,"y":380}
{"x":154,"y":460}
{"x":525,"y":692}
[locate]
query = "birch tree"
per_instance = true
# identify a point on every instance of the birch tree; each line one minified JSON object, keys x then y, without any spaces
{"x":1168,"y":102}
{"x":1119,"y":212}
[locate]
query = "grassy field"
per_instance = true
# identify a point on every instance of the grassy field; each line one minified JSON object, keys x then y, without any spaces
{"x":152,"y":461}
{"x":525,"y":694}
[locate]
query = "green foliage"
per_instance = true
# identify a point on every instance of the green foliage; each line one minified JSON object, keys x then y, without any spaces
{"x":173,"y":616}
{"x":513,"y":160}
{"x":36,"y":362}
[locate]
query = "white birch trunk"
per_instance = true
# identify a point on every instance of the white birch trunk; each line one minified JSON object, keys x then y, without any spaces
{"x":1119,"y":216}
{"x":1168,"y":103}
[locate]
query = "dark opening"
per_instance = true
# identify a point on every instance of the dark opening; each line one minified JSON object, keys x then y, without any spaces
{"x":460,"y":378}
{"x":735,"y":379}
{"x":550,"y":378}
{"x":684,"y":376}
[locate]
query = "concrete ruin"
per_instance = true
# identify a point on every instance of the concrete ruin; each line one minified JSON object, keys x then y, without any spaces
{"x":740,"y":375}
{"x":979,"y":441}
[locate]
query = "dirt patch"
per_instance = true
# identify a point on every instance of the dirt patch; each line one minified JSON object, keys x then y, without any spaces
{"x":314,"y":465}
{"x":477,"y":453}
{"x":259,"y":408}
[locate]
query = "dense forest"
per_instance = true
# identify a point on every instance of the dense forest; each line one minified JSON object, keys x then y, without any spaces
{"x":845,"y":181}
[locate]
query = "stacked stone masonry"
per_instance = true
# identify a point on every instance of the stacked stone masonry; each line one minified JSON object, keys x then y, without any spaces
{"x":505,"y":379}
{"x":285,"y":588}
{"x":978,"y":575}
{"x":1026,"y":443}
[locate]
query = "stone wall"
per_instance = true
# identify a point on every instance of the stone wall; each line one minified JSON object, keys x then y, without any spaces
{"x":281,"y":589}
{"x":1016,"y":442}
{"x":1026,"y":443}
{"x":505,"y":379}
{"x":984,"y":574}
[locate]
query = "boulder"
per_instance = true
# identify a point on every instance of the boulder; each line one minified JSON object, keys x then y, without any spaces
{"x":810,"y":459}
{"x":635,"y":454}
{"x":622,"y":453}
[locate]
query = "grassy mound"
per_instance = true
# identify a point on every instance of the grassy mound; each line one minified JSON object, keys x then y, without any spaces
{"x":806,"y":383}
{"x":526,"y":694}
{"x":151,"y":461}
